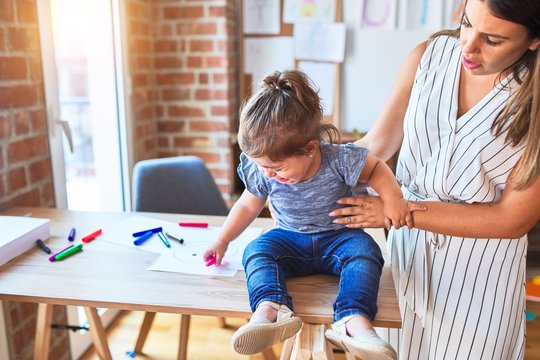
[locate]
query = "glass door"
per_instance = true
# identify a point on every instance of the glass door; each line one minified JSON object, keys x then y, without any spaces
{"x":83,"y":80}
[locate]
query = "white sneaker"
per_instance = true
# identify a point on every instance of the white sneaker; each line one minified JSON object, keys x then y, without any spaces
{"x":259,"y":334}
{"x":368,"y":346}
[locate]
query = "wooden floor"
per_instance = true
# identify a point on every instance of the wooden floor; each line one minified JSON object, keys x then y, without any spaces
{"x":207,"y":341}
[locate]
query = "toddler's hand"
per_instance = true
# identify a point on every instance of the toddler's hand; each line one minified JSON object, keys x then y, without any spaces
{"x":398,"y":214}
{"x":216,"y":250}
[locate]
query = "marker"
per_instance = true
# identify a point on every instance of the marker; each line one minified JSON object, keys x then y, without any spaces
{"x":91,"y":236}
{"x":68,"y":252}
{"x":174,"y":237}
{"x":52,"y":257}
{"x":42,"y":245}
{"x":71,"y":235}
{"x":164,"y":239}
{"x":194,"y":224}
{"x":211,"y":261}
{"x":153,"y":231}
{"x":143,"y":238}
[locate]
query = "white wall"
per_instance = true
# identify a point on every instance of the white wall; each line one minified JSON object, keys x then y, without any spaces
{"x":372,"y":61}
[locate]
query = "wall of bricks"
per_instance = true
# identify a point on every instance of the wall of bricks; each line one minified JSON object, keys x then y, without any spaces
{"x":25,"y":170}
{"x":183,"y":58}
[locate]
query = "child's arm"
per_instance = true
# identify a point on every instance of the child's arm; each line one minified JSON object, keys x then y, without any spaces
{"x":379,"y":176}
{"x":243,"y":212}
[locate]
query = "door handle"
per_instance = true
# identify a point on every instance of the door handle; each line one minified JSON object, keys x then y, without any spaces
{"x":67,"y":131}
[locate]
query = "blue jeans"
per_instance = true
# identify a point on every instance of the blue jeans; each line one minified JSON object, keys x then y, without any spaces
{"x":350,"y":253}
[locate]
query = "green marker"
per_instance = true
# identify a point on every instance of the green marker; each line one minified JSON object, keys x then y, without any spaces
{"x":68,"y":252}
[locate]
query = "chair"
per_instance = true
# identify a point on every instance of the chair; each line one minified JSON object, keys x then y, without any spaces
{"x":180,"y":184}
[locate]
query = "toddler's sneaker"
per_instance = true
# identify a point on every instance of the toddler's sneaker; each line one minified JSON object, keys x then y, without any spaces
{"x":368,"y":346}
{"x":259,"y":334}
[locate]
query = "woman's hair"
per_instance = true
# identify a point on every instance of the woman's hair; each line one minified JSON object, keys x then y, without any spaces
{"x":521,"y":114}
{"x":283,"y":117}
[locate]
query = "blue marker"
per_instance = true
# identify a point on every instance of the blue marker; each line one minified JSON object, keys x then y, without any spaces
{"x":143,"y":238}
{"x":153,"y":231}
{"x":71,"y":235}
{"x":164,"y":239}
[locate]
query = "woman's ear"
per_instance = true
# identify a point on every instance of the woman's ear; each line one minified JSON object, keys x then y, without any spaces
{"x":312,"y":146}
{"x":535,"y":44}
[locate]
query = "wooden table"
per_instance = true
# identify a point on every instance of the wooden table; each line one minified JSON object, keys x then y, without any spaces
{"x":109,"y":275}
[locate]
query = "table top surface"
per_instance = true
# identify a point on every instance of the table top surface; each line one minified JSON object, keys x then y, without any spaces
{"x":110,"y":275}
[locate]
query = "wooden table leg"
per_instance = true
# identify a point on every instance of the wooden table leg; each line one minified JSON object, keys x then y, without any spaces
{"x":310,"y":343}
{"x":145,"y":329}
{"x":184,"y":334}
{"x":43,"y":331}
{"x":97,"y":332}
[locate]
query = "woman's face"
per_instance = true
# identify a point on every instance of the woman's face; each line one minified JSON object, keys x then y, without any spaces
{"x":490,"y":44}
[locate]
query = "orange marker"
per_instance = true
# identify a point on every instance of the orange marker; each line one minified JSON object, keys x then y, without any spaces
{"x":91,"y":236}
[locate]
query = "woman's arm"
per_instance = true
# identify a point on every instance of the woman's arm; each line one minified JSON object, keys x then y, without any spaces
{"x":384,"y":139}
{"x":511,"y":217}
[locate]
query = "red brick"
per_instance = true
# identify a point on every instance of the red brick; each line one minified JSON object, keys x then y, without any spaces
{"x":182,"y":110}
{"x":5,"y":126}
{"x":176,"y":94}
{"x":2,"y":39}
{"x":192,"y":142}
{"x":176,"y":79}
{"x":36,"y":73}
{"x":209,"y":94}
{"x":168,"y":62}
{"x":209,"y":158}
{"x":196,"y":29}
{"x":219,"y":110}
{"x":141,"y":45}
{"x":18,"y":96}
{"x":165,"y":46}
{"x":7,"y":12}
{"x":171,"y":126}
{"x":201,"y":45}
{"x":23,"y":39}
{"x":163,"y":141}
{"x":39,"y":120}
{"x":26,"y":11}
{"x":137,"y":27}
{"x":47,"y":194}
{"x":40,"y":170}
{"x":12,"y":68}
{"x":220,"y":78}
{"x":218,"y":11}
{"x":29,"y":198}
{"x":208,"y":126}
{"x":27,"y":148}
{"x":183,"y":12}
{"x":17,"y":179}
{"x":203,"y":78}
{"x":22,"y":123}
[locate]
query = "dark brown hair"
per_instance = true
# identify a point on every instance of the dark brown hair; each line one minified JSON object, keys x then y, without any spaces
{"x":283,"y":117}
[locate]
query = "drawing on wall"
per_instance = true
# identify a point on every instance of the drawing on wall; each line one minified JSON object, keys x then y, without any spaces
{"x":265,"y":55}
{"x":319,"y":41}
{"x":323,"y":76}
{"x":379,"y":14}
{"x":305,"y":10}
{"x":423,"y":15}
{"x":261,"y":17}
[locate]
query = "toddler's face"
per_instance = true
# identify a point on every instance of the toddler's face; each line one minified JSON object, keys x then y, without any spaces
{"x":289,"y":171}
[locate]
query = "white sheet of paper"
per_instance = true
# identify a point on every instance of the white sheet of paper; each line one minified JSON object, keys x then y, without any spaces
{"x":319,"y":41}
{"x":263,"y":56}
{"x":323,"y":76}
{"x":187,"y":258}
{"x":261,"y":17}
{"x":379,"y":14}
{"x":302,"y":10}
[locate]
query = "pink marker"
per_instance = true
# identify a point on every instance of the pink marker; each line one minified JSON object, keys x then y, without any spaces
{"x":211,"y":261}
{"x":194,"y":224}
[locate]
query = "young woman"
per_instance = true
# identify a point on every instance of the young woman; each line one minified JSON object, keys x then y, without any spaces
{"x":465,"y":110}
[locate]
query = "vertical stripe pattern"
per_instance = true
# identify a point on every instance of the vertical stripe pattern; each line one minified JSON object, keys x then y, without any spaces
{"x":460,"y":298}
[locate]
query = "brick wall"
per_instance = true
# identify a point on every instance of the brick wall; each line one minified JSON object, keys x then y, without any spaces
{"x":25,"y":171}
{"x":183,"y":58}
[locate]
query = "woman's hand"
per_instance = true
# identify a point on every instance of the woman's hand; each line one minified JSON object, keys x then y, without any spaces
{"x":365,"y":212}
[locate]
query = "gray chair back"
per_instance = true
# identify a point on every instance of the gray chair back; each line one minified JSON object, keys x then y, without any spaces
{"x":180,"y":184}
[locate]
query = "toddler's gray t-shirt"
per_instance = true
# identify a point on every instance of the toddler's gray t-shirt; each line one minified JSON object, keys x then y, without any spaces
{"x":304,"y":207}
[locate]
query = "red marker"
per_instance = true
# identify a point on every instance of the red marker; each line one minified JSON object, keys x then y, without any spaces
{"x":91,"y":236}
{"x":211,"y":261}
{"x":194,"y":224}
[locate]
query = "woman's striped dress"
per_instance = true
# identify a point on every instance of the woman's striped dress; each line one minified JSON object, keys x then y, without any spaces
{"x":461,"y":298}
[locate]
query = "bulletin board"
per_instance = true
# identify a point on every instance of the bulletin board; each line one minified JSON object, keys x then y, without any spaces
{"x":255,"y":33}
